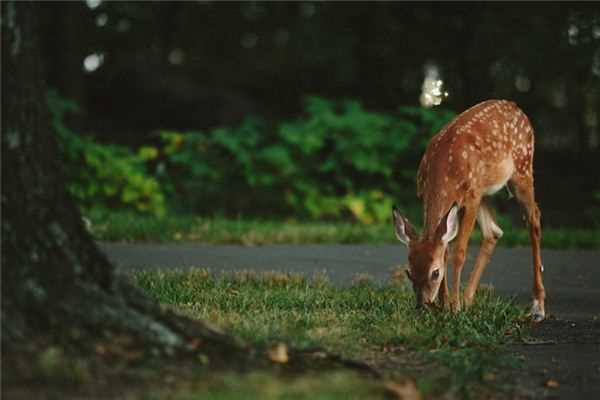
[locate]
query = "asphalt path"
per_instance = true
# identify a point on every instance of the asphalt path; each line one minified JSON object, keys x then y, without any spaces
{"x":566,"y":348}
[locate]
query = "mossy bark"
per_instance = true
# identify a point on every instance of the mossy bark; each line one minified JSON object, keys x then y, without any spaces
{"x":55,"y":281}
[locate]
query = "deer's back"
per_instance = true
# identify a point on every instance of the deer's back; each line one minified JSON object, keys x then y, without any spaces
{"x":475,"y":153}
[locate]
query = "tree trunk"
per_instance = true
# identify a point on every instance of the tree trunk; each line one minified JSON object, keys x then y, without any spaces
{"x":55,"y":280}
{"x":64,"y":31}
{"x":56,"y":285}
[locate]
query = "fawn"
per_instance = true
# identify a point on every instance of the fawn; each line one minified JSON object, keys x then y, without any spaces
{"x":483,"y":149}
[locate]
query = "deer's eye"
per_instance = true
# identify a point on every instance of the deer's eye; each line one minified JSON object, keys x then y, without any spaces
{"x":435,"y":274}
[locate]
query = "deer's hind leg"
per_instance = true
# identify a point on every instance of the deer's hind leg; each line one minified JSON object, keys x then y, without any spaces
{"x":490,"y":233}
{"x":524,"y":192}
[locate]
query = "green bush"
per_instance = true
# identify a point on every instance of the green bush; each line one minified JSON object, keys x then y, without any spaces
{"x":101,"y":175}
{"x":337,"y":161}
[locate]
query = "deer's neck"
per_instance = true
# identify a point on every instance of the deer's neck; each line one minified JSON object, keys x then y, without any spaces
{"x":435,"y":206}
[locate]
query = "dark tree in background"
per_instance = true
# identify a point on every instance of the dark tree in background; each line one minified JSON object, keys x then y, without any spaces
{"x":55,"y":281}
{"x":138,"y":68}
{"x":193,"y":65}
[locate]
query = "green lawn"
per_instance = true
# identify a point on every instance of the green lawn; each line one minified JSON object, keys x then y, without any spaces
{"x":445,"y":353}
{"x":300,"y":324}
{"x":127,"y":226}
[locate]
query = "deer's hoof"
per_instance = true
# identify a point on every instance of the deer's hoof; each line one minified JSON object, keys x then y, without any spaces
{"x":455,"y":306}
{"x":468,"y":301}
{"x":537,"y":311}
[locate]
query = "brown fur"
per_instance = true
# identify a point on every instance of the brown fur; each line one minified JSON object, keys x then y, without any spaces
{"x":487,"y":134}
{"x":484,"y":148}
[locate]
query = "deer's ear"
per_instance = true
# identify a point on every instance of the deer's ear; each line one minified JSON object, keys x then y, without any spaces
{"x":448,"y":228}
{"x":402,"y":228}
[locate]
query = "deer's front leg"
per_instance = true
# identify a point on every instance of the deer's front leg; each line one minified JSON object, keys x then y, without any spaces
{"x":459,"y":250}
{"x":444,"y":294}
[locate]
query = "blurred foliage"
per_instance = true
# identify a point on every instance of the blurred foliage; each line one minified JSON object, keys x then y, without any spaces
{"x":100,"y":175}
{"x":337,"y":161}
{"x":127,"y":226}
{"x":137,"y":68}
{"x":189,"y":80}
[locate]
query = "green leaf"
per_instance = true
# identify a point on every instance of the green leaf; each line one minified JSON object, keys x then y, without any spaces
{"x":147,"y":153}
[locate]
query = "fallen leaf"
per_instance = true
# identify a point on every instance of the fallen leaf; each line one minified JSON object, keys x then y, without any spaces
{"x":489,"y":377}
{"x":535,"y":341}
{"x":278,"y":353}
{"x":123,"y":340}
{"x":101,"y":349}
{"x":132,"y":355}
{"x":194,"y":344}
{"x":552,"y":383}
{"x":406,"y":390}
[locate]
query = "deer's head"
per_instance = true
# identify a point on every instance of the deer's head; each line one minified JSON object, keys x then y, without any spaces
{"x":426,"y":254}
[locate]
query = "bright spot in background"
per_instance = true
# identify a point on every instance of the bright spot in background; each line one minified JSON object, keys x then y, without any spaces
{"x":596,"y":63}
{"x":176,"y":56}
{"x":93,"y":3}
{"x":432,"y":92}
{"x":572,"y":32}
{"x":101,"y":19}
{"x":253,"y":11}
{"x":281,"y":37}
{"x":308,"y":10}
{"x":249,"y":40}
{"x":522,"y":83}
{"x":123,"y":25}
{"x":93,"y":61}
{"x":559,"y":96}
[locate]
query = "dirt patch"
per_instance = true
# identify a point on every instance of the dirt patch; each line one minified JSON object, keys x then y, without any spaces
{"x":566,"y":331}
{"x":561,"y":359}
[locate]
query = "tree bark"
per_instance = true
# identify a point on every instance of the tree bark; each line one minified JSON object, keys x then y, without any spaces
{"x":56,"y":282}
{"x":57,"y":287}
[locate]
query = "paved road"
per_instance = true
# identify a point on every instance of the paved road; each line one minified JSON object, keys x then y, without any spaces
{"x":572,"y":280}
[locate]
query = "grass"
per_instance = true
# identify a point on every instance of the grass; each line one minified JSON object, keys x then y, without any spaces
{"x":429,"y":354}
{"x":446,"y":353}
{"x":126,"y":226}
{"x":69,"y":377}
{"x":263,"y":385}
